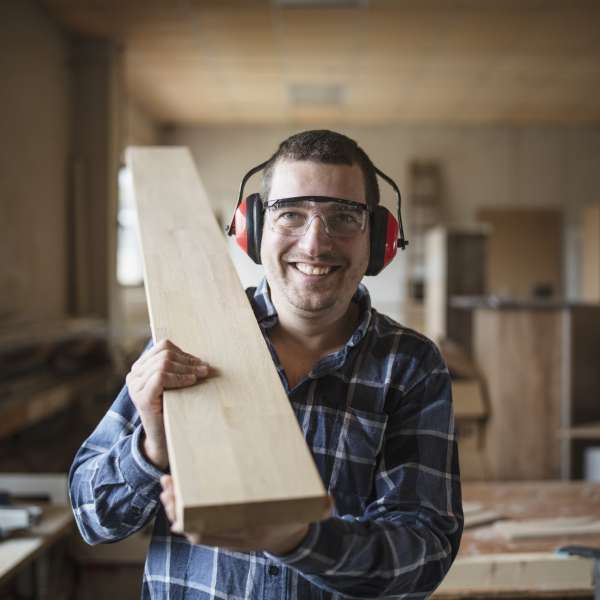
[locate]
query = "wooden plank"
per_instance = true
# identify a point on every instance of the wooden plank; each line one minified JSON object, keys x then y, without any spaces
{"x":529,"y":500}
{"x":553,"y":527}
{"x":236,"y":451}
{"x":591,"y":431}
{"x":483,"y":517}
{"x":511,"y":573}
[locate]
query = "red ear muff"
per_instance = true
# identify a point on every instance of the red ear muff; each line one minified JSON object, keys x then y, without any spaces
{"x":248,"y":225}
{"x":384,"y":240}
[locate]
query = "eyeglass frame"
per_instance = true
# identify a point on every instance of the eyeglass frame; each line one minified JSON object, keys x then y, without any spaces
{"x":282,"y":202}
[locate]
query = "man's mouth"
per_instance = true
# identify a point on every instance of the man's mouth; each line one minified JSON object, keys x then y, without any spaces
{"x":309,"y":269}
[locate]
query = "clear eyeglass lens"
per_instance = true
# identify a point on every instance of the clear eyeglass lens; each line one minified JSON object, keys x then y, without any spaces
{"x":340,"y":221}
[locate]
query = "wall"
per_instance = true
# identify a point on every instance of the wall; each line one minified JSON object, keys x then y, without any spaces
{"x":34,"y":105}
{"x":483,"y":166}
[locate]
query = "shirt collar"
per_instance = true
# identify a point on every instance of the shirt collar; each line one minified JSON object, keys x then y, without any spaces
{"x":266,"y":313}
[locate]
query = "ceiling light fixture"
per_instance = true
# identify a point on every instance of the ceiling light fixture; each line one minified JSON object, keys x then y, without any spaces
{"x":320,"y":3}
{"x":316,"y":94}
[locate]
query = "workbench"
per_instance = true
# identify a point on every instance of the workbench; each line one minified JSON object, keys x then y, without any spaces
{"x":28,"y":549}
{"x":483,"y":547}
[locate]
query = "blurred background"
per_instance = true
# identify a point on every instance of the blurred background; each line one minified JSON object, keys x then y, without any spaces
{"x":487,"y":115}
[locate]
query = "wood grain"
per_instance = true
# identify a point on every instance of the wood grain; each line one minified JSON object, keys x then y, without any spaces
{"x":236,"y":451}
{"x":520,"y":355}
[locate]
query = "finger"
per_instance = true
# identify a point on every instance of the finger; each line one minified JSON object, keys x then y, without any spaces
{"x":158,"y":382}
{"x":168,"y":502}
{"x":171,"y":364}
{"x":166,"y":346}
{"x":158,"y":347}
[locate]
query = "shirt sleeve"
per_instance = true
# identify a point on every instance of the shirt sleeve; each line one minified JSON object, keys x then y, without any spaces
{"x":409,"y":534}
{"x":114,"y":490}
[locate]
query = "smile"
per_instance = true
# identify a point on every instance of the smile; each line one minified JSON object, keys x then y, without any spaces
{"x":319,"y":270}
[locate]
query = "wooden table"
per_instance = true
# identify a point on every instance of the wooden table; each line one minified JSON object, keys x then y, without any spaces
{"x":490,"y":566}
{"x":17,"y":552}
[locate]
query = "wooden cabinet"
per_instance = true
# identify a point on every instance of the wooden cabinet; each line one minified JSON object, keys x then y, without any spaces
{"x":540,"y":364}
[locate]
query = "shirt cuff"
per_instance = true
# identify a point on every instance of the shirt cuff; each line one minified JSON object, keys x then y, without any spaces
{"x":137,"y":471}
{"x":301,"y":552}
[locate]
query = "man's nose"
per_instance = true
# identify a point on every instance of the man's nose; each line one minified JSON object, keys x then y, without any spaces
{"x":316,"y":236}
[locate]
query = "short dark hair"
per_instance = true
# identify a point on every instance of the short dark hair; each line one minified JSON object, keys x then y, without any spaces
{"x":324,"y":146}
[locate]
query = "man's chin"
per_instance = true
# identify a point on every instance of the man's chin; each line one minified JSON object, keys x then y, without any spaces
{"x":311,"y":303}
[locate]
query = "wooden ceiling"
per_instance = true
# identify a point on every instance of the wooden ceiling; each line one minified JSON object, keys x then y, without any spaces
{"x":463,"y":61}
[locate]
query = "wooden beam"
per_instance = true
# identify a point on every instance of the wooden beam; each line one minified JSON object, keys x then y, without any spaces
{"x":520,"y":574}
{"x":236,"y":451}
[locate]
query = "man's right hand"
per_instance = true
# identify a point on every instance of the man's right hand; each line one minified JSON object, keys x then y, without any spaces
{"x":163,"y":367}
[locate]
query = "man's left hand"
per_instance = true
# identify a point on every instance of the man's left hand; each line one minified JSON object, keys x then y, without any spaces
{"x":275,"y":539}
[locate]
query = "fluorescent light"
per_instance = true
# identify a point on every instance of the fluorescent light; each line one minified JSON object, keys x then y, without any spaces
{"x":316,"y":94}
{"x":321,"y":3}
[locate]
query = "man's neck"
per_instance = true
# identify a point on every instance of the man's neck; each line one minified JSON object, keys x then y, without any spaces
{"x":318,"y":332}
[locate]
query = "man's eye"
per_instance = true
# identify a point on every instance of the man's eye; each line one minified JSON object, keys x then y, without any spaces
{"x":290,"y":216}
{"x":345,"y":219}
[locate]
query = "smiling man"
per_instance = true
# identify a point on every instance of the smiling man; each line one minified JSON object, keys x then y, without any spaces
{"x":371,"y":397}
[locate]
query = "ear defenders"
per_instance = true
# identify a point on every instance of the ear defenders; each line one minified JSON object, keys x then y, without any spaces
{"x":387,"y":233}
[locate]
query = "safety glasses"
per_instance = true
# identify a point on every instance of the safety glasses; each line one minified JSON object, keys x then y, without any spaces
{"x":294,"y":216}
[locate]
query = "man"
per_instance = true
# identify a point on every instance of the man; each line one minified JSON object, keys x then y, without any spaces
{"x":372,"y":398}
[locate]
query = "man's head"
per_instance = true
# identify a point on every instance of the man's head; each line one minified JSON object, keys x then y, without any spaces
{"x":318,"y":271}
{"x":326,"y":147}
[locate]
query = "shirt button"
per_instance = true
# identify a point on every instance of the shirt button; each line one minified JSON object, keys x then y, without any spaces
{"x":273,"y":570}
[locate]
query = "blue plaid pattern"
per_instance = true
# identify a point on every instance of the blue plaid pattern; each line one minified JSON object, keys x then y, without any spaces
{"x":377,"y":416}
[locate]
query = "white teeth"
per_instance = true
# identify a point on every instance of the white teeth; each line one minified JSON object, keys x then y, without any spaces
{"x":312,"y":270}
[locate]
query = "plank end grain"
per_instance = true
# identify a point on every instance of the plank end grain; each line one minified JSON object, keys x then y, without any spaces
{"x":236,"y":451}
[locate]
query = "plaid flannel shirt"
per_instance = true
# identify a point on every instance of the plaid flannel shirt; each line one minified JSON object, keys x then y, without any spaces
{"x":377,"y":416}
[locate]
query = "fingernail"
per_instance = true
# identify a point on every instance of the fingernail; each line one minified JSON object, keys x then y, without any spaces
{"x":202,"y":370}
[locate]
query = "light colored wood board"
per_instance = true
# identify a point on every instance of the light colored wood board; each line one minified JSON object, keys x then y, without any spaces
{"x":234,"y":443}
{"x":481,"y":518}
{"x":527,"y":572}
{"x":591,"y":431}
{"x":520,"y":353}
{"x":15,"y":554}
{"x":542,"y":528}
{"x":470,"y":508}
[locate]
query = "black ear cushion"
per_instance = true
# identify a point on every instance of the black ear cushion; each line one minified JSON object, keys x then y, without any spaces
{"x":379,"y":225}
{"x":254,"y":226}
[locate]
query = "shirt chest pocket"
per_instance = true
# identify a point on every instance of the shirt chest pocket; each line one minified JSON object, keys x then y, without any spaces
{"x":346,"y":445}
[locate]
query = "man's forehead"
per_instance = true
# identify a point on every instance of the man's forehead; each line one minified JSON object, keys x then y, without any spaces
{"x":310,"y":178}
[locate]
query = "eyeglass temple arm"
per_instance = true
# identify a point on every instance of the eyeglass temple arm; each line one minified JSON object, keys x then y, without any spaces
{"x":402,"y":241}
{"x":231,"y":227}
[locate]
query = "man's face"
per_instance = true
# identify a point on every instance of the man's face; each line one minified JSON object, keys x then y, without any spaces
{"x":314,"y":272}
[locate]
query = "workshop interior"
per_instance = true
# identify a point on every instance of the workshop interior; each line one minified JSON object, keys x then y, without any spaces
{"x":485,"y":116}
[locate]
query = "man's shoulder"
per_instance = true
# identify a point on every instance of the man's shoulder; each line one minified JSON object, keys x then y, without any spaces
{"x":409,"y":345}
